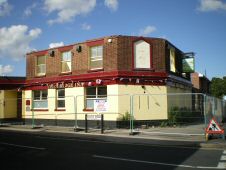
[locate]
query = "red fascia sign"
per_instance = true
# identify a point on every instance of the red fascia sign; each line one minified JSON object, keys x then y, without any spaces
{"x":214,"y":128}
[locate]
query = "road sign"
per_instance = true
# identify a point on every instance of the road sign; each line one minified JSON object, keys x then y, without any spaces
{"x":214,"y":127}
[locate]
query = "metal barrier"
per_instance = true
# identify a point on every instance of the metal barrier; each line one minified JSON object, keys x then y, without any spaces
{"x":164,"y":111}
{"x":171,"y":114}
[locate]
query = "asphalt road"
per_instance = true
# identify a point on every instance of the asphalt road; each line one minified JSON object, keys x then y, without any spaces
{"x":20,"y":151}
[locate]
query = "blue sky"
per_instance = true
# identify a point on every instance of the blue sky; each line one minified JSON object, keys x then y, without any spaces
{"x":191,"y":25}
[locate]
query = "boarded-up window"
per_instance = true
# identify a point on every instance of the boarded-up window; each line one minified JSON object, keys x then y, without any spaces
{"x":142,"y":58}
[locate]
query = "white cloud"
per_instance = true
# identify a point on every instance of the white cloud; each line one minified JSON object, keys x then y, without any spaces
{"x":147,"y":30}
{"x":15,"y":40}
{"x":86,"y":26}
{"x":58,"y":44}
{"x":5,"y":8}
{"x":211,"y":5}
{"x":111,"y":4}
{"x":28,"y":10}
{"x":4,"y":70}
{"x":68,"y":10}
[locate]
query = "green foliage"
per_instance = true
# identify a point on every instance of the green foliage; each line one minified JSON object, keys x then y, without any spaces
{"x":181,"y":116}
{"x":125,"y":117}
{"x":218,"y":87}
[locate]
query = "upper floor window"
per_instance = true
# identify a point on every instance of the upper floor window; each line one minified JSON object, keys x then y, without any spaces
{"x":66,"y":62}
{"x":142,"y":55}
{"x":40,"y":99}
{"x":41,"y":66}
{"x":96,"y":57}
{"x":172,"y":60}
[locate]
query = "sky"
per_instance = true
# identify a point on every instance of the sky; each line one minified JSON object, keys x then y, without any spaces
{"x":191,"y":25}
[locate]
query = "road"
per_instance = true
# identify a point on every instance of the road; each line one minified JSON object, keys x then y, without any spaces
{"x":48,"y":151}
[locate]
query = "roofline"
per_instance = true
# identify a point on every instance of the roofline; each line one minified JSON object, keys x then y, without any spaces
{"x":90,"y":40}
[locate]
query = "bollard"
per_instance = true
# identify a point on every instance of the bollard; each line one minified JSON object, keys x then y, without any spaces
{"x":102,"y":123}
{"x":86,"y":124}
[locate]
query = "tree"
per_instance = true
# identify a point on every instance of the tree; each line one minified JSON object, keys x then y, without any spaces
{"x":218,"y":87}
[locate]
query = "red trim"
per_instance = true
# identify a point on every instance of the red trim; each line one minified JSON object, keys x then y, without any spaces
{"x":113,"y":77}
{"x":15,"y":82}
{"x":40,"y":110}
{"x":88,"y":110}
{"x":65,"y":48}
{"x":40,"y":53}
{"x":38,"y":87}
{"x":95,"y":42}
{"x":215,"y":132}
{"x":59,"y":110}
{"x":133,"y":55}
{"x":97,"y":75}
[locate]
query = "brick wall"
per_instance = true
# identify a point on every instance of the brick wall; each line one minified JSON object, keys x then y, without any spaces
{"x":117,"y":55}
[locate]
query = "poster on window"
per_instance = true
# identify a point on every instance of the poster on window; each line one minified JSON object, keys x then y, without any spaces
{"x":100,"y":105}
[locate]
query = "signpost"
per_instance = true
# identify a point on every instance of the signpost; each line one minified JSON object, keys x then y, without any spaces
{"x":100,"y":106}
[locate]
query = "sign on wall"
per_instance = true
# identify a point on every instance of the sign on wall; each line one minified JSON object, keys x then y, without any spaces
{"x":188,"y":65}
{"x":100,"y":105}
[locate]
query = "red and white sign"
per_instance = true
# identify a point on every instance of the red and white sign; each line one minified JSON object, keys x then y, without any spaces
{"x":214,"y":127}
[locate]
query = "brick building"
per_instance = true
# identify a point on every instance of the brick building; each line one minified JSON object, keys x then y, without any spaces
{"x":201,"y":84}
{"x":71,"y":78}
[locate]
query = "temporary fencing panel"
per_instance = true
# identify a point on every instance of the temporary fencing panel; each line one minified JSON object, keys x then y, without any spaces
{"x":181,"y":113}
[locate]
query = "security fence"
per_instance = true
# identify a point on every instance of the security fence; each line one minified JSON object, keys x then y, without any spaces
{"x":175,"y":113}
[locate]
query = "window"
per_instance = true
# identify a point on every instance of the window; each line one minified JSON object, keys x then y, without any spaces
{"x":142,"y":58}
{"x":60,"y":102}
{"x":96,"y":57}
{"x":40,"y":99}
{"x":172,"y":60}
{"x":94,"y":93}
{"x":41,"y":66}
{"x":66,"y":62}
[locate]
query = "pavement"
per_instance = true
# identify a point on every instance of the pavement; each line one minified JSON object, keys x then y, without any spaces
{"x":194,"y":134}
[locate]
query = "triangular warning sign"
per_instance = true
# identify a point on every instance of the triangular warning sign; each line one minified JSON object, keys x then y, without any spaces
{"x":214,"y":127}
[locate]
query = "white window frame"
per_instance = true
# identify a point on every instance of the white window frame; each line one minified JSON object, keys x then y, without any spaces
{"x":41,"y":66}
{"x":97,"y":57}
{"x":68,"y":62}
{"x":94,"y":97}
{"x":41,"y":99}
{"x":60,"y":98}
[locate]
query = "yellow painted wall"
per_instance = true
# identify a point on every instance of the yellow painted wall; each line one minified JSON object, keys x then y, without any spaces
{"x":1,"y":103}
{"x":10,"y":109}
{"x":151,"y":105}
